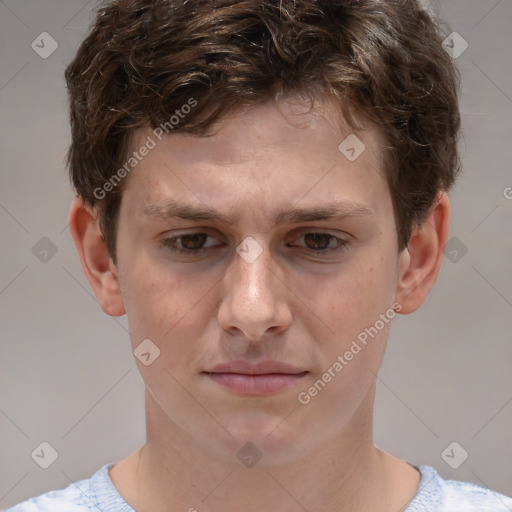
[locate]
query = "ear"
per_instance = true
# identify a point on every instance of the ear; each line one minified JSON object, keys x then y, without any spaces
{"x":97,"y":265}
{"x":419,"y":263}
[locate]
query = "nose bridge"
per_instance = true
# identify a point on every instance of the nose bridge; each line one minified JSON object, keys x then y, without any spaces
{"x":252,"y":274}
{"x":253,"y":297}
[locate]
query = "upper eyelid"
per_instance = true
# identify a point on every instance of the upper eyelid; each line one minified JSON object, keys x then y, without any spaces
{"x":304,"y":231}
{"x":206,"y":230}
{"x":341,"y":241}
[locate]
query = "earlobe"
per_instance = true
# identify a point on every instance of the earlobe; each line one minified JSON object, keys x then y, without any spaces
{"x":420,"y":262}
{"x":96,"y":263}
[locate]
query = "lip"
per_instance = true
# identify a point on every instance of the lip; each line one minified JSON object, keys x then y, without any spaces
{"x":262,"y":368}
{"x":255,"y":380}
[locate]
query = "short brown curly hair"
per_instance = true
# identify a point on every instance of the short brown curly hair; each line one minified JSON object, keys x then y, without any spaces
{"x":382,"y":60}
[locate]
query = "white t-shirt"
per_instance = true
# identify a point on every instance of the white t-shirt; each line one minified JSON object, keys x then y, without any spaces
{"x":435,"y":494}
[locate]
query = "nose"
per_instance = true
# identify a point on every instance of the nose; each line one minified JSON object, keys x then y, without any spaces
{"x":255,"y":300}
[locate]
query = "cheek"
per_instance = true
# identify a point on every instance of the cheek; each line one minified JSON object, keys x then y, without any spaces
{"x":347,"y":301}
{"x":170,"y":309}
{"x":358,"y":305}
{"x":154,"y":302}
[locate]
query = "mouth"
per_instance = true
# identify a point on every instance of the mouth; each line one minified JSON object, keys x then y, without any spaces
{"x":255,"y":380}
{"x":256,"y":385}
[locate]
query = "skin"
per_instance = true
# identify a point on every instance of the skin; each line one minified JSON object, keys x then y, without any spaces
{"x":291,"y":304}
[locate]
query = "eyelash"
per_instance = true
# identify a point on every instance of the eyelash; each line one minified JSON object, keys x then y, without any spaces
{"x":169,"y":243}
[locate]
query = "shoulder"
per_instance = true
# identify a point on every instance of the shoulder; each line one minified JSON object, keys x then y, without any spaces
{"x":90,"y":494}
{"x":468,"y":496}
{"x":438,"y":495}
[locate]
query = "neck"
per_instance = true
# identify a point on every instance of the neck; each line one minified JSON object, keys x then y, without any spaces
{"x":345,"y":472}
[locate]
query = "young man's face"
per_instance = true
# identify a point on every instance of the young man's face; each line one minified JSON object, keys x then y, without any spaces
{"x":301,"y":302}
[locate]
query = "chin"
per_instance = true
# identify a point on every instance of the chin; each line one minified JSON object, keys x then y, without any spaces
{"x":266,"y":438}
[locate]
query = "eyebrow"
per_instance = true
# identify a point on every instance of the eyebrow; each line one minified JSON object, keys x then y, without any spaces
{"x":169,"y":209}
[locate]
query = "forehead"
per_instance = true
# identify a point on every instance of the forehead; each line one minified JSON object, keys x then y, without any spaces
{"x":272,"y":151}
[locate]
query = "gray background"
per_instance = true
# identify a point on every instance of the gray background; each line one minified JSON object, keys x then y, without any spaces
{"x":67,"y":375}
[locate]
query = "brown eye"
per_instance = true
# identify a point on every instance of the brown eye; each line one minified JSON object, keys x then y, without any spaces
{"x":318,"y":241}
{"x":190,"y":243}
{"x":322,"y":243}
{"x":193,"y":242}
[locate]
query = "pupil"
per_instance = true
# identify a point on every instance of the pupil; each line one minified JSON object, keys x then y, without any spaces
{"x":317,"y":239}
{"x":197,"y":240}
